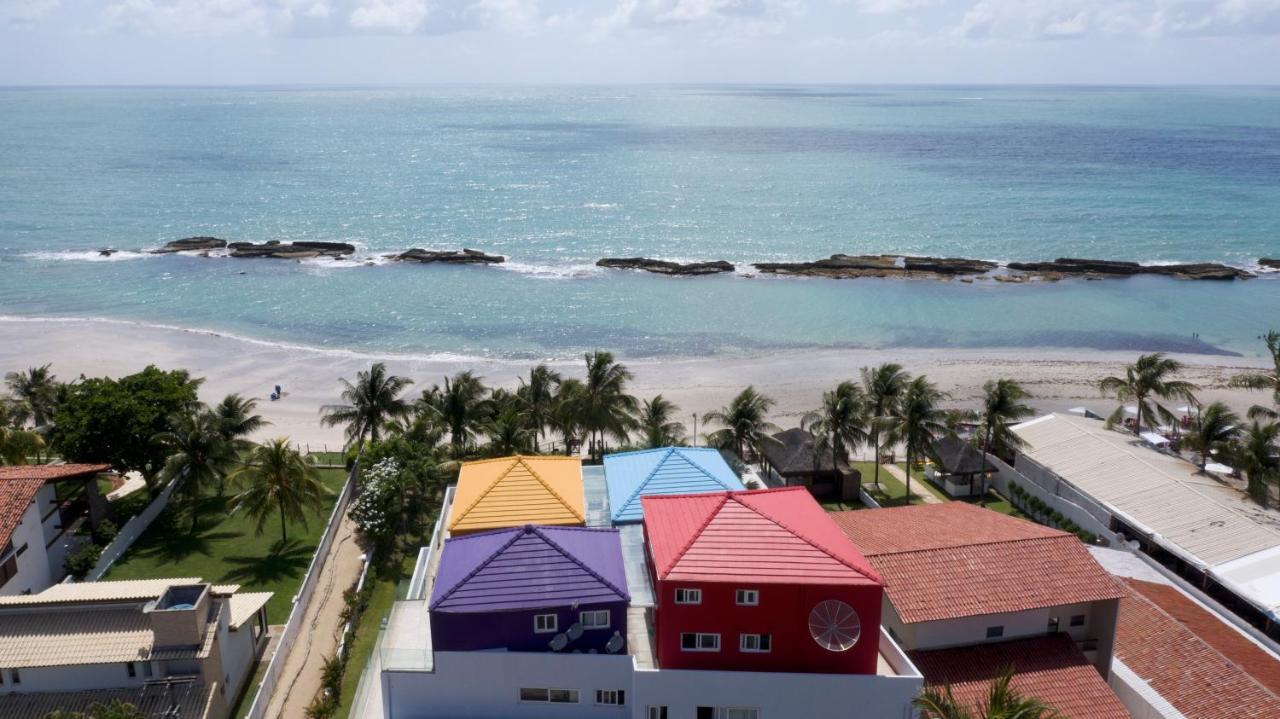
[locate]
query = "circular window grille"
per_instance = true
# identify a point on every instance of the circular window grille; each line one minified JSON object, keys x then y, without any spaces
{"x":834,"y":625}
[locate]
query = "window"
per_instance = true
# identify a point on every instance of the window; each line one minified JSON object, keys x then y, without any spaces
{"x":657,"y":712}
{"x":146,"y":670}
{"x":133,"y":670}
{"x":611,"y":697}
{"x":8,"y":570}
{"x":994,"y":632}
{"x":544,"y":623}
{"x":1077,"y":620}
{"x":699,"y":642}
{"x":14,"y":676}
{"x":596,"y":619}
{"x":747,"y":597}
{"x":688,"y":596}
{"x":554,"y":696}
{"x":1053,"y":625}
{"x":727,"y":713}
{"x":754,"y":642}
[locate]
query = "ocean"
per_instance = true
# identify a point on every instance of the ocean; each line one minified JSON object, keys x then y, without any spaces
{"x":555,"y":178}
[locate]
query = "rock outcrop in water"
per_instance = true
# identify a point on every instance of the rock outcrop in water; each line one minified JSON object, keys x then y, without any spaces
{"x":191,"y":244}
{"x":1270,"y":263}
{"x":464,"y":257}
{"x":291,"y":250}
{"x":850,"y":266}
{"x":1073,"y":267}
{"x":663,"y":267}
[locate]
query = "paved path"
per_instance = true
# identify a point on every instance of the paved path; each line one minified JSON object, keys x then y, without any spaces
{"x":299,"y":681}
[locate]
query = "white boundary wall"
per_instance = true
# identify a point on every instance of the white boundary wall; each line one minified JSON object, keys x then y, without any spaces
{"x":131,"y":530}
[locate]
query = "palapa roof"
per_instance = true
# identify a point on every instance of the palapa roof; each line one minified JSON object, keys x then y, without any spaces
{"x":960,"y":457}
{"x":529,"y":567}
{"x":514,"y":491}
{"x":1050,"y":669}
{"x":667,"y":470}
{"x":952,"y":560}
{"x":704,"y":537}
{"x":792,"y":452}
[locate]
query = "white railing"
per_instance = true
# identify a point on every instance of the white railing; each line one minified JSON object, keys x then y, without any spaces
{"x":131,"y":530}
{"x":293,"y":626}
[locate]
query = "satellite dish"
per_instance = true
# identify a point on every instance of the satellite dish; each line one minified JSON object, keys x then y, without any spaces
{"x":834,"y":625}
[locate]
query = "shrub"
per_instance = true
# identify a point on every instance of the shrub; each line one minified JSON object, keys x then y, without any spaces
{"x":106,"y":531}
{"x":82,"y":561}
{"x":323,"y":706}
{"x":331,"y":675}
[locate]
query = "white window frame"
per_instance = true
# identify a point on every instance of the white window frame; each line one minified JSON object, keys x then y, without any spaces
{"x":725,"y":712}
{"x":589,"y":618}
{"x":698,"y":641}
{"x":571,"y":695}
{"x":691,"y":595}
{"x":657,"y":711}
{"x":747,"y":597}
{"x":619,"y":697}
{"x":760,"y":640}
{"x":555,"y":624}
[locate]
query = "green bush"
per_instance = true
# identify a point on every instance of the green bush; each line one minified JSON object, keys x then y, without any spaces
{"x":106,"y":531}
{"x":82,"y":561}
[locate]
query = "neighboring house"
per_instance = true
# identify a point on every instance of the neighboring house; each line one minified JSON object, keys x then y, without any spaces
{"x":1201,"y":528}
{"x":969,"y":591}
{"x":795,"y":458}
{"x":41,"y":509}
{"x":515,"y":491}
{"x":531,"y":589}
{"x":668,"y":470}
{"x":962,"y":469}
{"x":759,"y":581}
{"x":181,"y":642}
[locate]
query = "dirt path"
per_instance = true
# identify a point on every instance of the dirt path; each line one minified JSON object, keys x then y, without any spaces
{"x":300,"y":678}
{"x":925,"y":496}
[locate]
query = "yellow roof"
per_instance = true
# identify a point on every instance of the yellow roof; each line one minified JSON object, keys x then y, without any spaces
{"x":514,"y":491}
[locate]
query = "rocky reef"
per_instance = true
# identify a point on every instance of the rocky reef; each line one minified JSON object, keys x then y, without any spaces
{"x":191,"y":244}
{"x":291,"y":250}
{"x":664,"y":267}
{"x":463,"y":257}
{"x":1073,"y":267}
{"x":850,"y":266}
{"x":1270,"y":263}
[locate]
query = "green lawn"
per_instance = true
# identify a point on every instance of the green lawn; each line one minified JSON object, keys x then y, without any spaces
{"x":892,"y":493}
{"x":225,"y":549}
{"x":924,"y":484}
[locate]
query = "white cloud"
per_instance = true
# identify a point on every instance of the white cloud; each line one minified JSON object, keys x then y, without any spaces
{"x":26,"y":12}
{"x":402,"y":16}
{"x":744,"y":17}
{"x":889,"y":7}
{"x":1060,"y":19}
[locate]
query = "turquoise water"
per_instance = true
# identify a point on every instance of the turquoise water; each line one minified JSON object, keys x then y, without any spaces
{"x":555,"y":178}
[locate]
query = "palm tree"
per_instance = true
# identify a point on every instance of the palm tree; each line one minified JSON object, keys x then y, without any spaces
{"x":745,"y":426}
{"x":840,"y":425}
{"x":565,"y":416}
{"x":370,"y":403}
{"x":1257,"y":455}
{"x":509,"y":432}
{"x":1148,"y":378}
{"x":656,"y":425}
{"x":883,"y":386}
{"x":1002,"y":407}
{"x":1264,"y":380}
{"x":277,"y":477}
{"x":606,"y":408}
{"x":237,"y":421}
{"x":1214,"y":427}
{"x":461,"y":406}
{"x":1002,"y":702}
{"x":199,"y":455}
{"x":36,"y":394}
{"x":916,"y":422}
{"x":539,"y":395}
{"x":17,"y":444}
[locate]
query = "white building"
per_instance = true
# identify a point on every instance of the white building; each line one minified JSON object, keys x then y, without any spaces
{"x":166,"y":643}
{"x":41,"y":507}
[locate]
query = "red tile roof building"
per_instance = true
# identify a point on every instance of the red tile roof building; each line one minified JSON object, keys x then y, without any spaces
{"x":51,"y":472}
{"x":759,"y":580}
{"x":1203,"y":668}
{"x":1050,"y":669}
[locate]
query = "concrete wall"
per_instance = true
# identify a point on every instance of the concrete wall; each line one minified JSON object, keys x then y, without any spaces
{"x":81,"y":677}
{"x":34,"y":573}
{"x":1042,"y":483}
{"x":130,"y":532}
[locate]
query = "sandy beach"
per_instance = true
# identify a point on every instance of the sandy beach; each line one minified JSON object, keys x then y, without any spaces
{"x":1058,"y":378}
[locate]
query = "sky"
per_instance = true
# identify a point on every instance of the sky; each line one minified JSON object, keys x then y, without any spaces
{"x":251,"y":42}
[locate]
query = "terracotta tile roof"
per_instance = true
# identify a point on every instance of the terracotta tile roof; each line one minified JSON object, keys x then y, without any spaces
{"x":953,"y":560}
{"x":51,"y":472}
{"x":1050,"y":669}
{"x":514,"y":491}
{"x":15,"y":496}
{"x":699,"y":537}
{"x":1198,"y":679}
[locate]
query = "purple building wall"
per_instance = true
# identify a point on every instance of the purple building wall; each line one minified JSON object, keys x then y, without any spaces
{"x":514,"y":630}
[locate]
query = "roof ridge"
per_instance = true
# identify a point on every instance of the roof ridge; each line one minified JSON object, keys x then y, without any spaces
{"x":516,"y":533}
{"x":570,"y":556}
{"x":644,"y":482}
{"x":986,"y":543}
{"x":702,"y":526}
{"x":875,"y":576}
{"x":462,"y":515}
{"x":549,"y":488}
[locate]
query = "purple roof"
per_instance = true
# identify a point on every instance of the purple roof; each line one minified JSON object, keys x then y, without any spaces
{"x":530,"y":567}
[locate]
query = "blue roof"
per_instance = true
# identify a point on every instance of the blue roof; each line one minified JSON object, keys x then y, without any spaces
{"x":668,"y":470}
{"x":529,"y":567}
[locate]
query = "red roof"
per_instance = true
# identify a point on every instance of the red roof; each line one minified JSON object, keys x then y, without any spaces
{"x":1203,"y":668}
{"x":768,"y":535}
{"x":952,"y":560}
{"x":15,"y":497}
{"x":1050,"y":669}
{"x":51,"y":472}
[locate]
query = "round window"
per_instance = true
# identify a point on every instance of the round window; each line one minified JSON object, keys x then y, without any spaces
{"x":834,"y":625}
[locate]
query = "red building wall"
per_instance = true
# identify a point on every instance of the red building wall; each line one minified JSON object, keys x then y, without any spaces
{"x":783,"y":613}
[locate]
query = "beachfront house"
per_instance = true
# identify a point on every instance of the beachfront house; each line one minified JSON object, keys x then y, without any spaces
{"x":177,"y":648}
{"x":959,"y":468}
{"x":42,"y":509}
{"x":794,"y":460}
{"x":631,"y":476}
{"x":515,"y":491}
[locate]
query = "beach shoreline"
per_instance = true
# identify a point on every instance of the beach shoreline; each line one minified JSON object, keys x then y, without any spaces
{"x":1059,"y":378}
